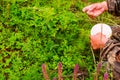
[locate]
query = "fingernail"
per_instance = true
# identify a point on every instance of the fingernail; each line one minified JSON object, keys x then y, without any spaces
{"x":83,"y":10}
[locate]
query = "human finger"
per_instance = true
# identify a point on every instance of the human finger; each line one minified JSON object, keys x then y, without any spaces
{"x":93,"y":42}
{"x":98,"y":40}
{"x":99,"y":12}
{"x":90,"y":7}
{"x":90,"y":13}
{"x":95,"y":13}
{"x":92,"y":17}
{"x":85,"y":9}
{"x":93,"y":7}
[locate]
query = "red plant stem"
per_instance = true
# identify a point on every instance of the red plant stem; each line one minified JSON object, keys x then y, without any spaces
{"x":60,"y":71}
{"x":76,"y":69}
{"x":44,"y":71}
{"x":105,"y":76}
{"x":98,"y":70}
{"x":99,"y":67}
{"x":54,"y":79}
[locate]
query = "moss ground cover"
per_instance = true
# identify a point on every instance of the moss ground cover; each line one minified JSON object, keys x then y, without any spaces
{"x":33,"y":32}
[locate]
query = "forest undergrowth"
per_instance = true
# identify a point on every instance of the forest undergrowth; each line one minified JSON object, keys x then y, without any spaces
{"x":36,"y":33}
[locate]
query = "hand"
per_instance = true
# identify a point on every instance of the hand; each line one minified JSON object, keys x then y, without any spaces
{"x":95,"y":9}
{"x":98,"y":41}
